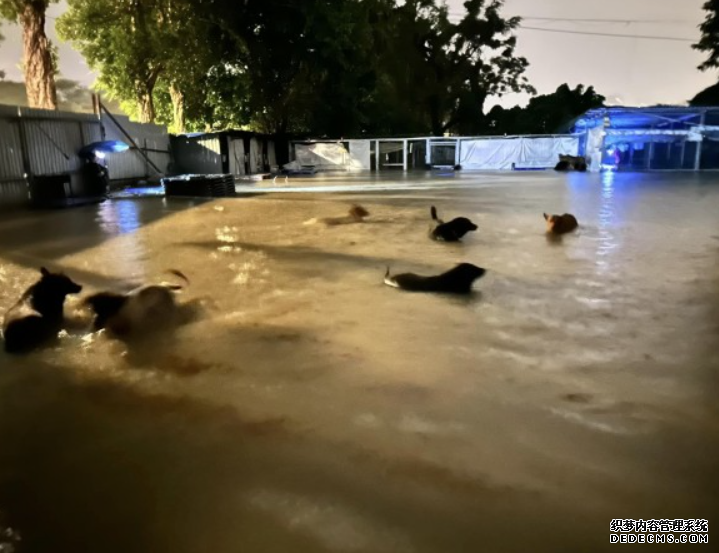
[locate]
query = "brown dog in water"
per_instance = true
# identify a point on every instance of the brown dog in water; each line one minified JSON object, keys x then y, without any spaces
{"x":561,"y":224}
{"x":141,"y":310}
{"x":356,"y":214}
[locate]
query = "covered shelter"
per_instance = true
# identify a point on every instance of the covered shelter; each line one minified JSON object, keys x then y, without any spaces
{"x":670,"y":138}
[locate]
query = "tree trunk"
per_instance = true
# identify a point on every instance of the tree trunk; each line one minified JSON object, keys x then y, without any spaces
{"x":178,"y":108}
{"x":147,"y":106}
{"x":435,"y":117}
{"x":144,"y":89}
{"x":37,"y":59}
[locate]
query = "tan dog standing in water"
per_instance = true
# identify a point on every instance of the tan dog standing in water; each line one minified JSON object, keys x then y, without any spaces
{"x":356,"y":214}
{"x":561,"y":224}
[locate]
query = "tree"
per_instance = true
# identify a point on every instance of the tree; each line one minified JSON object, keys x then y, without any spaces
{"x":707,"y":97}
{"x":446,"y":70}
{"x":39,"y":61}
{"x":307,"y":65}
{"x":545,"y":114}
{"x":322,"y":67}
{"x":709,"y":42}
{"x":117,"y":40}
{"x":149,"y":51}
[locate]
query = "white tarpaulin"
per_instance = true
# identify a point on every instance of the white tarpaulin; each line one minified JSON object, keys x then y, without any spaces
{"x":332,"y":156}
{"x":494,"y":154}
{"x":237,"y":157}
{"x":255,"y":156}
{"x":595,"y":145}
{"x":360,"y":155}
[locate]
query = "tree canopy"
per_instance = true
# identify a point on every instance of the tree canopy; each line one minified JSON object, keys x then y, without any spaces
{"x":326,"y":67}
{"x":709,"y":41}
{"x":707,"y":97}
{"x":545,"y":114}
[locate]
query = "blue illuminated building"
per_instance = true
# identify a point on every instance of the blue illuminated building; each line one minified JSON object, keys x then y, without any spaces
{"x":670,"y":138}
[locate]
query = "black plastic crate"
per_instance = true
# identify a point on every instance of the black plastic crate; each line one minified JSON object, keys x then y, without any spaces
{"x":204,"y":186}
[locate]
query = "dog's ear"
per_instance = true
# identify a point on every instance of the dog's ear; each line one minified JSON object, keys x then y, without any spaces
{"x":546,"y":217}
{"x":44,"y":271}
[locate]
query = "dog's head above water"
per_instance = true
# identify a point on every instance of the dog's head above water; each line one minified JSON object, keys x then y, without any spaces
{"x":57,"y":283}
{"x":464,"y":225}
{"x":48,"y":294}
{"x":560,"y":224}
{"x":452,"y":231}
{"x":358,"y":212}
{"x":467,"y":272}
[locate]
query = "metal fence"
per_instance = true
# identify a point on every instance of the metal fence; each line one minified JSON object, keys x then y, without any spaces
{"x":36,"y":142}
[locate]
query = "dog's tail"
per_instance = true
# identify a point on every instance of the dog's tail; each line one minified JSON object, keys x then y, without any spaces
{"x":433,"y":212}
{"x":179,"y":274}
{"x":389,"y":281}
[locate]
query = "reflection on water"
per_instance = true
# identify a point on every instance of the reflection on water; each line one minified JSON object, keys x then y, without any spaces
{"x":119,"y":217}
{"x":310,"y":408}
{"x":608,"y":222}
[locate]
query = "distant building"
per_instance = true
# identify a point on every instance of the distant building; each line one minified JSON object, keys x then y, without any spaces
{"x":672,"y":138}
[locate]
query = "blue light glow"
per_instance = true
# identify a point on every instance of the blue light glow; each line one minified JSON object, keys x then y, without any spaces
{"x":105,"y":147}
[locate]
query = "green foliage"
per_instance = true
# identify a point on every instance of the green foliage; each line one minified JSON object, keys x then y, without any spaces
{"x":11,"y":10}
{"x":707,"y":97}
{"x":325,"y":67}
{"x":545,"y":114}
{"x":309,"y":64}
{"x":119,"y":41}
{"x":709,"y":42}
{"x":144,"y":49}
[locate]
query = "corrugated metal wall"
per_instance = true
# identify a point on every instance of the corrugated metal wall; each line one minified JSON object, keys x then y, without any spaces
{"x":12,"y":181}
{"x":153,"y":139}
{"x":44,"y":142}
{"x":199,"y":154}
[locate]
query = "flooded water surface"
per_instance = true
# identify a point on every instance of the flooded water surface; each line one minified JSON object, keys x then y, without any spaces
{"x":310,"y":408}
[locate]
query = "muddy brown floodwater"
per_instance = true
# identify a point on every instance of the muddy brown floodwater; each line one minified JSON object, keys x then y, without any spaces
{"x":310,"y":408}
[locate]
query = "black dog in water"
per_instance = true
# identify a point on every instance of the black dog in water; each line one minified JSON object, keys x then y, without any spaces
{"x":455,"y":281}
{"x":453,"y":231}
{"x":37,"y":317}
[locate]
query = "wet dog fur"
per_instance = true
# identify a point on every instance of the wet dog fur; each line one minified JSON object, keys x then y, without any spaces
{"x":452,"y":231}
{"x":458,"y":280}
{"x":571,"y":163}
{"x":560,"y":224}
{"x":356,"y":214}
{"x":141,"y":310}
{"x":38,"y":315}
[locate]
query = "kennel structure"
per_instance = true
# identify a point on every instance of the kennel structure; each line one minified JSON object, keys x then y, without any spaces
{"x":668,"y":138}
{"x":234,"y":152}
{"x":487,"y":153}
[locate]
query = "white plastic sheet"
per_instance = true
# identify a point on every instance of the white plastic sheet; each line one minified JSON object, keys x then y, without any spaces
{"x":360,"y":155}
{"x":237,"y":157}
{"x":497,"y":154}
{"x":595,"y":145}
{"x":334,"y":156}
